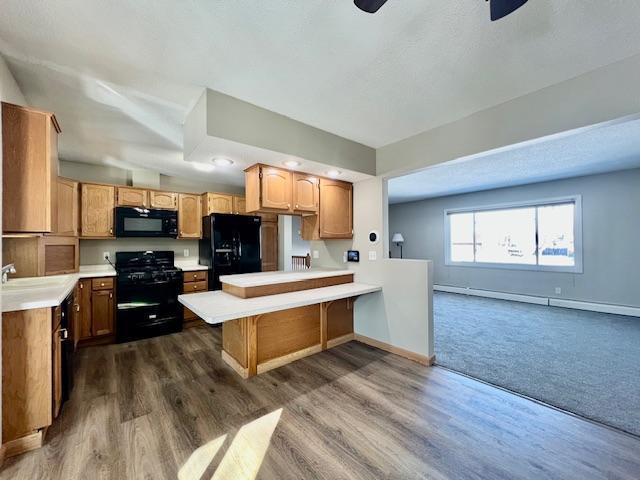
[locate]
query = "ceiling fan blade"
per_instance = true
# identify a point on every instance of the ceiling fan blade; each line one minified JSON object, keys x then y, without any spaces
{"x":370,"y":6}
{"x":502,"y":8}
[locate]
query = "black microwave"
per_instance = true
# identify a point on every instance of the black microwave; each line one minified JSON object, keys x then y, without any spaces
{"x":145,"y":222}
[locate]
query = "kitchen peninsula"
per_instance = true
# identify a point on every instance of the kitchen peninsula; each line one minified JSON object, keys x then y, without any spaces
{"x":273,"y":318}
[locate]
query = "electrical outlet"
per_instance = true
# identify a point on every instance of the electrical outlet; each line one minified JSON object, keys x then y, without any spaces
{"x":185,"y":252}
{"x":558,"y":291}
{"x":316,"y":254}
{"x":373,"y":255}
{"x":106,"y":256}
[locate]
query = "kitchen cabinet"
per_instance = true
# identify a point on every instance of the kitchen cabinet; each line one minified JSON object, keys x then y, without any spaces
{"x":67,"y":207}
{"x":269,"y":246}
{"x":305,"y":193}
{"x":268,"y":189}
{"x":97,"y":313}
{"x":56,"y":361}
{"x":41,"y":255}
{"x":239,"y":205}
{"x":97,"y":204}
{"x":197,"y":281}
{"x":189,"y":216}
{"x":217,"y":203}
{"x":27,"y":373}
{"x":163,"y":200}
{"x":101,"y":313}
{"x":336,"y":209}
{"x":132,"y":197}
{"x":76,"y":315}
{"x":29,"y":170}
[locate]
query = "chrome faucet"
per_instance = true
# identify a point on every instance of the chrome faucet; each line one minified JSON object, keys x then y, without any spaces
{"x":6,"y":270}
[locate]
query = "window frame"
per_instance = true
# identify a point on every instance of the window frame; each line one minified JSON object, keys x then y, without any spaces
{"x":577,"y":234}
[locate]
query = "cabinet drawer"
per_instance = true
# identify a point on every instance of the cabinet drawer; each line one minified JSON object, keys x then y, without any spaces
{"x":102,"y":283}
{"x":198,"y":276}
{"x":195,"y":287}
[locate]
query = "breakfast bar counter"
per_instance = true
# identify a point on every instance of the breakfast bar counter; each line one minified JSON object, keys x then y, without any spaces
{"x":263,"y":332}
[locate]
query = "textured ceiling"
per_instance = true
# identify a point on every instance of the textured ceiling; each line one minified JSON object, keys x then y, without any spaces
{"x":121,"y":75}
{"x":598,"y":149}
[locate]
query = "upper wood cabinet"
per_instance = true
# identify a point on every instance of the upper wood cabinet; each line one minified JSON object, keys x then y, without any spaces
{"x":239,"y":205}
{"x":217,"y":203}
{"x":268,"y":189}
{"x":97,"y":204}
{"x":67,"y":208}
{"x":189,"y":216}
{"x":132,"y":197}
{"x":336,"y":209}
{"x":163,"y":200}
{"x":305,"y":193}
{"x":29,"y":170}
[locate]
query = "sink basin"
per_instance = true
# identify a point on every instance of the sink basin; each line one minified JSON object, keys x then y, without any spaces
{"x":34,"y":282}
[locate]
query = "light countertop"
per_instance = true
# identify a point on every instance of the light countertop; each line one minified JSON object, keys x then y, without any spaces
{"x":245,"y":280}
{"x":217,"y":306}
{"x":189,"y":265}
{"x":43,"y":292}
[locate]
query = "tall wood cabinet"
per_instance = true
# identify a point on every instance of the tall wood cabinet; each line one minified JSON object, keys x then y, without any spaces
{"x":189,"y":216}
{"x":29,"y":170}
{"x":269,"y":246}
{"x":96,"y":210}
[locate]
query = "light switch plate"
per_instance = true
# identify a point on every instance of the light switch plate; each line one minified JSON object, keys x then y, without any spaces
{"x":558,"y":291}
{"x":373,"y":255}
{"x":185,"y":252}
{"x":316,"y":254}
{"x":344,"y":257}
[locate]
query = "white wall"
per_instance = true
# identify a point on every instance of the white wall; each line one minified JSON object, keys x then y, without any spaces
{"x":402,"y":314}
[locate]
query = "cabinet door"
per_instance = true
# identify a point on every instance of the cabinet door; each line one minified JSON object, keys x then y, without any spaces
{"x":163,"y":200}
{"x":101,"y":312}
{"x":132,"y":197}
{"x":56,"y":344}
{"x":336,"y":209}
{"x":305,"y":193}
{"x":276,"y":188}
{"x":219,"y":203}
{"x":98,"y":202}
{"x":239,"y":205}
{"x":75,"y":316}
{"x":30,"y":170}
{"x":85,"y":309}
{"x":67,"y":208}
{"x":189,"y":216}
{"x":269,"y":246}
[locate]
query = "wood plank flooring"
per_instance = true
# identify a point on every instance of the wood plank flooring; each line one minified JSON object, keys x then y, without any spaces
{"x":168,"y":408}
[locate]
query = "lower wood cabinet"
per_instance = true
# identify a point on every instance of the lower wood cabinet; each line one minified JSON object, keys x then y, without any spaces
{"x":96,"y":315}
{"x":56,"y":361}
{"x":197,"y":281}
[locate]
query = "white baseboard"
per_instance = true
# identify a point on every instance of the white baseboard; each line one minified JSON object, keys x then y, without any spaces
{"x":489,"y":294}
{"x":596,"y":307}
{"x":552,"y":302}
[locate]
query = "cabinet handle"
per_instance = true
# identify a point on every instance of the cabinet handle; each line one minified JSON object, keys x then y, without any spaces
{"x":64,"y":334}
{"x":296,"y":205}
{"x":102,"y":284}
{"x":77,"y":308}
{"x":195,"y":275}
{"x":111,"y":231}
{"x":81,"y":285}
{"x":110,"y":295}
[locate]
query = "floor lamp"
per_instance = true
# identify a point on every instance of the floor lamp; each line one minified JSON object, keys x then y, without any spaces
{"x":398,"y":239}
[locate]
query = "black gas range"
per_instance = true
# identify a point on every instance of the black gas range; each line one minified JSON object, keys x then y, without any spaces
{"x":148,"y":285}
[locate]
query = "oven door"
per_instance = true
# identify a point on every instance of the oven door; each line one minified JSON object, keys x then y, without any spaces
{"x":144,"y":222}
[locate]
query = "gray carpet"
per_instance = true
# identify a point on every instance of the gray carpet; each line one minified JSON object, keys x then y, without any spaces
{"x":585,"y":362}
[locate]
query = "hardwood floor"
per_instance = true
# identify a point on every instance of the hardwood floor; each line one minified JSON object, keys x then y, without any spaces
{"x":169,"y":408}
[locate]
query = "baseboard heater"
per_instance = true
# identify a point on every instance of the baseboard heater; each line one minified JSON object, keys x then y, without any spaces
{"x":551,"y":302}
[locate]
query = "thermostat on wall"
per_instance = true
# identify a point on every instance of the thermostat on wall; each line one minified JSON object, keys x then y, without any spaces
{"x":353,"y":256}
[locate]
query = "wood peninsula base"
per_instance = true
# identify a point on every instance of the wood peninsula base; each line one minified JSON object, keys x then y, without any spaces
{"x":259,"y":343}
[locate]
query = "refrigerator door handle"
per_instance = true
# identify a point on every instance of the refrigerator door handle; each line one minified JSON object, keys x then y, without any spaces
{"x":240,"y":246}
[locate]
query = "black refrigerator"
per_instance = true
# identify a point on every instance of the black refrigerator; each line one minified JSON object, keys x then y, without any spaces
{"x":230,"y":244}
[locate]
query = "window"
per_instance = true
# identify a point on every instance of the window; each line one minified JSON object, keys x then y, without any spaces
{"x":543,"y":235}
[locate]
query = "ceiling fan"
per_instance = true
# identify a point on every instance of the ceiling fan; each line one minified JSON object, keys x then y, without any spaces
{"x":499,"y":8}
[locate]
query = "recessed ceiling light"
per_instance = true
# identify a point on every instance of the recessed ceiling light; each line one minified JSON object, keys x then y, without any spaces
{"x":292,"y":163}
{"x":334,"y":173}
{"x":223,"y":161}
{"x":203,"y":167}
